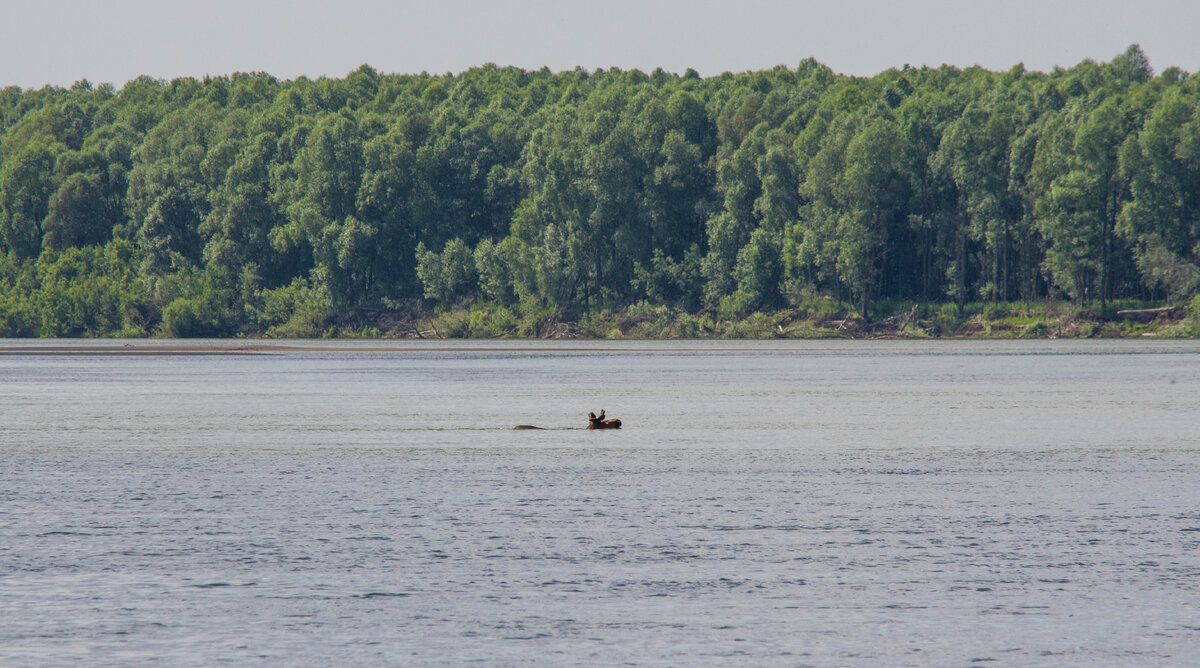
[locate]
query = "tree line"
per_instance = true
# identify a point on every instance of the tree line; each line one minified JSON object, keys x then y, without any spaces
{"x":247,"y":204}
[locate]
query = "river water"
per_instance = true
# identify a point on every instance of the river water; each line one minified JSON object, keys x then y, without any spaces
{"x":790,"y":503}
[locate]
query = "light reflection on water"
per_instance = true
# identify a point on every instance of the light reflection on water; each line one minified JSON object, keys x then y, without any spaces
{"x":779,"y":502}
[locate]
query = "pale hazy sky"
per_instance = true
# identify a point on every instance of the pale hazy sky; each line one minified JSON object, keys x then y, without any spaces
{"x":59,"y":42}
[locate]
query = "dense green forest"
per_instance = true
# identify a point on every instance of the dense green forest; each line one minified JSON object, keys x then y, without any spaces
{"x":248,"y":205}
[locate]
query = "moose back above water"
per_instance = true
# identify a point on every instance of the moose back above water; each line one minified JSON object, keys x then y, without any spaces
{"x":594,"y":422}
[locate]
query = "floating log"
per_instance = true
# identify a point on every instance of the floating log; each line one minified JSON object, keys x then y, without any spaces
{"x":527,"y":426}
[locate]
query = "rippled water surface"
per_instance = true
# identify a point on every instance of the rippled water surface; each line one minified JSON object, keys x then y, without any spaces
{"x":883,"y":503}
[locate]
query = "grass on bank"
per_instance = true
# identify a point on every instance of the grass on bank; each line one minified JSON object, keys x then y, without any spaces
{"x":813,"y":319}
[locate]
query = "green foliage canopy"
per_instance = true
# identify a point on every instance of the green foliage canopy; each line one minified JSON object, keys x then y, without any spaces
{"x":249,"y":204}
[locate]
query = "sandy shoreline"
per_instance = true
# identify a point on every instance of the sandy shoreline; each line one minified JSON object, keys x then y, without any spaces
{"x":133,"y":348}
{"x":100,"y":348}
{"x":148,"y":349}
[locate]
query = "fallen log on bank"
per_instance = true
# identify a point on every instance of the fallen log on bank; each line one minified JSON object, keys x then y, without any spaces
{"x":1150,"y":314}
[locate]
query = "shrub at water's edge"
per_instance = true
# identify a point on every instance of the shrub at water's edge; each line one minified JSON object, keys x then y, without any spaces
{"x":1189,"y":327}
{"x":818,"y":320}
{"x":93,"y":292}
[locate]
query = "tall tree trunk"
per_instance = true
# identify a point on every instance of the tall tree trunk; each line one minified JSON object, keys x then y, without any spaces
{"x":961,"y":289}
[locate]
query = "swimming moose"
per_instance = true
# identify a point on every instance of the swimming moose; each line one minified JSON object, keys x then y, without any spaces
{"x":600,"y":423}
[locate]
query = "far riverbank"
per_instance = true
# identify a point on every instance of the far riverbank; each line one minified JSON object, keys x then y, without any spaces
{"x":825,"y":319}
{"x":815,"y":319}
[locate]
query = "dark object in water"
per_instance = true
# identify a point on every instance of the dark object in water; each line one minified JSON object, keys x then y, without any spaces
{"x":527,"y":426}
{"x":595,"y":422}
